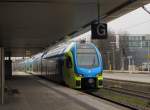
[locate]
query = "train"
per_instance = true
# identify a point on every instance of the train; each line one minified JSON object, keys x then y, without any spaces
{"x":77,"y":64}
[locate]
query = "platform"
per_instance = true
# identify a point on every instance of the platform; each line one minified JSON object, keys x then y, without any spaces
{"x":33,"y":93}
{"x":135,"y":77}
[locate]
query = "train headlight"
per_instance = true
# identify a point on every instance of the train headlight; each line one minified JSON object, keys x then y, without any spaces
{"x":91,"y":81}
{"x":80,"y":75}
{"x":100,"y":74}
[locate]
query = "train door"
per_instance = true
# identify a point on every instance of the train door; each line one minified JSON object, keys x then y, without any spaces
{"x":44,"y":67}
{"x":68,"y":65}
{"x":60,"y":70}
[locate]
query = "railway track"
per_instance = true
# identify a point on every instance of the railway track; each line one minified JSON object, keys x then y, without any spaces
{"x":115,"y":102}
{"x":135,"y":96}
{"x":122,"y":94}
{"x":138,"y":87}
{"x":144,"y":95}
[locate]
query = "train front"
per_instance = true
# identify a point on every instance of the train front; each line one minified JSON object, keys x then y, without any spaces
{"x":88,"y":66}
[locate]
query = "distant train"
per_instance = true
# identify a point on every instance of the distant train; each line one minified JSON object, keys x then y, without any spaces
{"x":78,"y":65}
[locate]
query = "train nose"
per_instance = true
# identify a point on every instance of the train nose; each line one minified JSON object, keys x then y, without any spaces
{"x":91,"y":81}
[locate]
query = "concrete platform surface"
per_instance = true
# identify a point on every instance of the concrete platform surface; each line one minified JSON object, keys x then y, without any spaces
{"x":143,"y":78}
{"x":33,"y":93}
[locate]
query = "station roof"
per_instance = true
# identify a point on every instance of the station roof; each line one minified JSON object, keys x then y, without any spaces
{"x":31,"y":25}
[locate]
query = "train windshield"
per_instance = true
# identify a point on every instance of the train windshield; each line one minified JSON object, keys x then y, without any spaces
{"x":87,"y":56}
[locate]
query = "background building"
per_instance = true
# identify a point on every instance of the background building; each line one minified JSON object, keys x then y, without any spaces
{"x":120,"y":52}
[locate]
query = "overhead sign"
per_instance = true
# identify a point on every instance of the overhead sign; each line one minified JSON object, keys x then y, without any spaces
{"x":99,"y":30}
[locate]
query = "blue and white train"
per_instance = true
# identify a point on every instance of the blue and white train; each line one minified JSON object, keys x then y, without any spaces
{"x":78,"y":65}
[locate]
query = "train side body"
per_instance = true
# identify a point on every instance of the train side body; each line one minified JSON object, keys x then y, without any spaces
{"x":77,"y":65}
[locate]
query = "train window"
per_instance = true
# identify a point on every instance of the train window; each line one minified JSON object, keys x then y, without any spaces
{"x":87,"y":56}
{"x":87,"y":60}
{"x":68,"y":62}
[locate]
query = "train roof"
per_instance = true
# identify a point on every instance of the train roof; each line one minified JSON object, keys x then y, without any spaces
{"x":65,"y":47}
{"x":59,"y":50}
{"x":37,"y":56}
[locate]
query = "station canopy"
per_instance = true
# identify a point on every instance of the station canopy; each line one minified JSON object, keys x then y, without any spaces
{"x":28,"y":26}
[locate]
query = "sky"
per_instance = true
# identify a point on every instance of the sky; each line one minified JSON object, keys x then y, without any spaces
{"x":135,"y":22}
